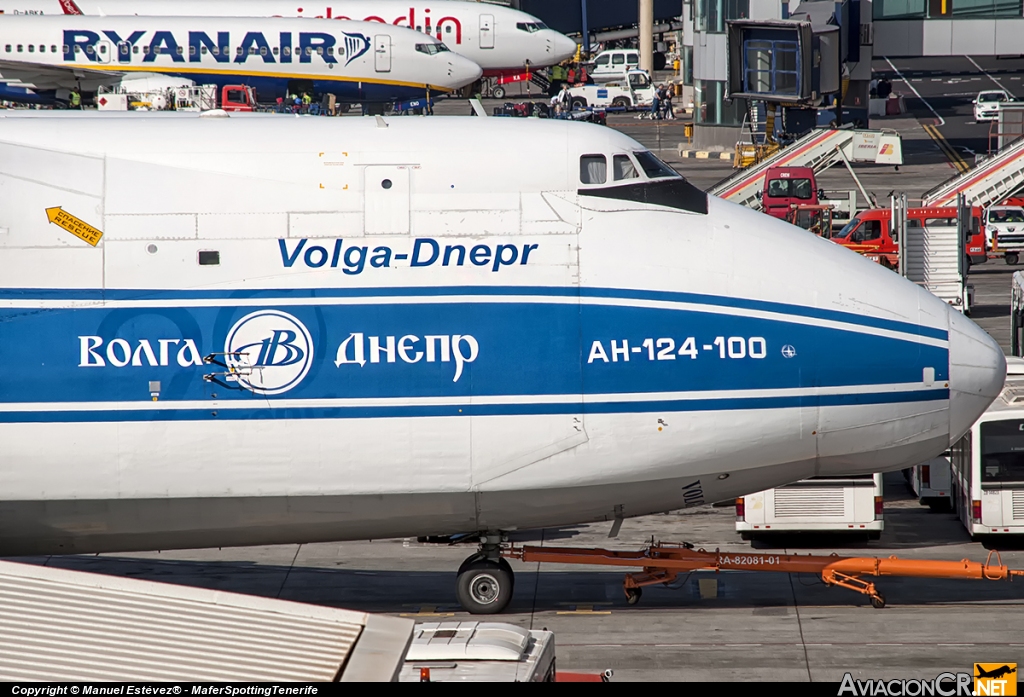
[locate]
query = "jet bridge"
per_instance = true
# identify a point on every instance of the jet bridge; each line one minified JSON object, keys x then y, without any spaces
{"x":819,"y":150}
{"x":988,"y":183}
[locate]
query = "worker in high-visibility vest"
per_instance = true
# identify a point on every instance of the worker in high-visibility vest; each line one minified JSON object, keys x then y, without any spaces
{"x":76,"y":100}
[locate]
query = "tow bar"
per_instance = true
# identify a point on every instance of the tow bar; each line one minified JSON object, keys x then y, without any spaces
{"x":662,"y":562}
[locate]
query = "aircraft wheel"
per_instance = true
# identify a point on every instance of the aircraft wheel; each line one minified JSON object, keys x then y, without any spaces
{"x":484,"y":587}
{"x":1012,"y":258}
{"x":498,"y":92}
{"x":633,"y":595}
{"x":878,"y":602}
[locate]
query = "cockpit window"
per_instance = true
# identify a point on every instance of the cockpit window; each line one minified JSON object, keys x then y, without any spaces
{"x":624,"y":168}
{"x":431,"y":49}
{"x":652,"y":166}
{"x":530,"y":27}
{"x":593,"y":169}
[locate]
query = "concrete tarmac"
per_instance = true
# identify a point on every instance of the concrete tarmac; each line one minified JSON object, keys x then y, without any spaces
{"x":728,"y":626}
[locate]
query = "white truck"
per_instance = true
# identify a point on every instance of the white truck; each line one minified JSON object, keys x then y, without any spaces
{"x":1004,"y":232}
{"x":636,"y":91}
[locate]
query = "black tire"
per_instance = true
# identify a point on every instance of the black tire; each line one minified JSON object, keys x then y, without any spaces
{"x":621,"y":102}
{"x":484,"y":587}
{"x":579,"y":103}
{"x":498,"y":92}
{"x":633,"y":595}
{"x":878,"y":602}
{"x":1012,"y":258}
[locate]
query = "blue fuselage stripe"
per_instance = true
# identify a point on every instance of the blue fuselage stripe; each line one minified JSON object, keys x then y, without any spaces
{"x":523,"y":409}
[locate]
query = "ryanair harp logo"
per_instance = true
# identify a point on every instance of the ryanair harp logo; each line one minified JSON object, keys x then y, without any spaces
{"x":355,"y":46}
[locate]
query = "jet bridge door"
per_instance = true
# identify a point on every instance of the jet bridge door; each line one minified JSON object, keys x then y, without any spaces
{"x":382,"y":53}
{"x":386,"y":200}
{"x":486,"y":31}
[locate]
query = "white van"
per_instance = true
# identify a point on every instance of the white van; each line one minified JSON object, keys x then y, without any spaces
{"x":614,"y":64}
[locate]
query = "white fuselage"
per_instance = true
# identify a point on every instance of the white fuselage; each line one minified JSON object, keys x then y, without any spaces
{"x":357,"y":61}
{"x":496,"y":38}
{"x":319,"y":329}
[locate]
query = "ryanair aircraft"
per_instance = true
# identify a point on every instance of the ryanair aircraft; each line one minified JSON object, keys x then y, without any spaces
{"x":357,"y":61}
{"x":498,"y":39}
{"x":258,"y":330}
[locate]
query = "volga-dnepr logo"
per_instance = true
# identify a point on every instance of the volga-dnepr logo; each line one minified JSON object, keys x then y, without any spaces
{"x":270,"y":351}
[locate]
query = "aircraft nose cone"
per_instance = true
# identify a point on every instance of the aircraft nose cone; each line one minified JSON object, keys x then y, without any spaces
{"x":562,"y":47}
{"x":977,"y":371}
{"x":463,"y":72}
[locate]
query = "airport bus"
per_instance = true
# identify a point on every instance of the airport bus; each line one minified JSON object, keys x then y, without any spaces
{"x":932,"y":482}
{"x":988,"y":464}
{"x":850,"y":504}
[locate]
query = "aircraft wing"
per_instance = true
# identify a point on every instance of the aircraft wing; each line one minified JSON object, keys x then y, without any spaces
{"x":48,"y":77}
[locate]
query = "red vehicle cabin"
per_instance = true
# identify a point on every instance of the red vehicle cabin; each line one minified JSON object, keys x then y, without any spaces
{"x":787,"y":187}
{"x":870,"y":233}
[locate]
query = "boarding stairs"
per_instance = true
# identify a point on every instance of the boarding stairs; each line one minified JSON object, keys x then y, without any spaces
{"x":819,"y":150}
{"x":541,"y":80}
{"x":991,"y":181}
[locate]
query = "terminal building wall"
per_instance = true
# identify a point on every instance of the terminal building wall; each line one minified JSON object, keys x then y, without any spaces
{"x":950,"y":37}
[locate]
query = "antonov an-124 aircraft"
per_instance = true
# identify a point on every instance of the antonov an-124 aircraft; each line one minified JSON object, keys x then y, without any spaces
{"x":356,"y":61}
{"x":258,"y":330}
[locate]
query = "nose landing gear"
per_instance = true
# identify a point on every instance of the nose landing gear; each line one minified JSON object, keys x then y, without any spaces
{"x":485,"y":580}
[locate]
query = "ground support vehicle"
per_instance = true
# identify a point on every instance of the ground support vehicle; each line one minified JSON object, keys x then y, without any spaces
{"x":813,"y":218}
{"x":930,"y":246}
{"x":1004,"y":232}
{"x":635,"y":92}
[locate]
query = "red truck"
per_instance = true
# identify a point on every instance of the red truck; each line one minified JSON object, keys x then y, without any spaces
{"x":788,"y":187}
{"x":207,"y":97}
{"x":870,"y":233}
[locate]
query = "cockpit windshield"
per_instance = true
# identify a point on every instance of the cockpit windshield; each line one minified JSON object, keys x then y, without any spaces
{"x":432,"y":49}
{"x":652,"y":166}
{"x":531,"y":27}
{"x":847,"y":229}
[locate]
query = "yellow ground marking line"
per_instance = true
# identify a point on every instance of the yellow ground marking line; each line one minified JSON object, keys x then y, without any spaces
{"x":954,"y":157}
